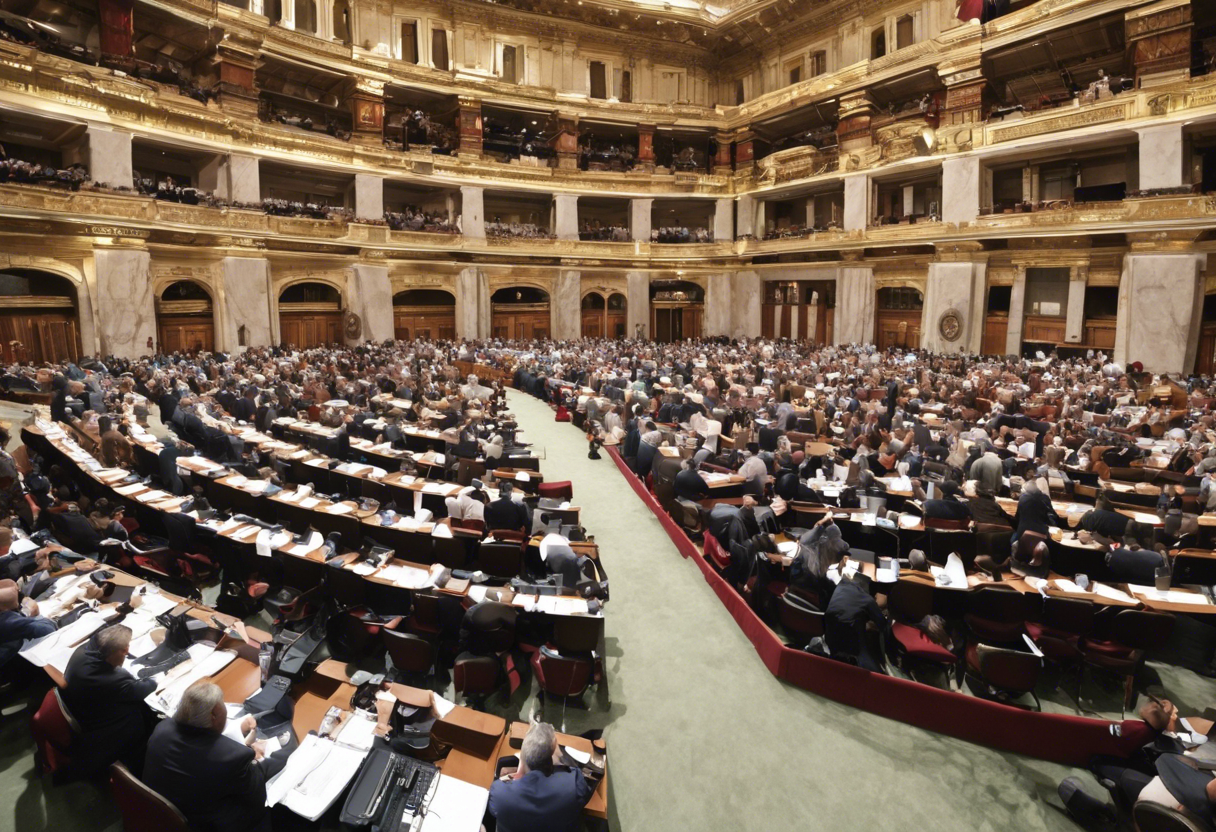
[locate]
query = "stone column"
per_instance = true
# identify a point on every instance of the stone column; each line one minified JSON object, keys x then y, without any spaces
{"x":957,"y":287}
{"x":853,"y":126}
{"x":1160,"y":309}
{"x":472,"y":212}
{"x":109,"y":157}
{"x":1017,"y":314}
{"x":1162,"y":157}
{"x":369,"y":294}
{"x":718,"y":301}
{"x":810,"y":212}
{"x":645,"y":161}
{"x":745,"y":225}
{"x":637,"y":303}
{"x":746,"y":294}
{"x":724,"y":220}
{"x":232,"y":178}
{"x":1074,"y":327}
{"x":468,"y":125}
{"x":126,"y":312}
{"x":856,"y":203}
{"x":565,"y":141}
{"x":640,"y":220}
{"x":565,"y":306}
{"x":369,"y":197}
{"x":960,"y":189}
{"x":245,"y":286}
{"x":365,"y":98}
{"x":472,"y":304}
{"x":855,"y":302}
{"x":565,"y":216}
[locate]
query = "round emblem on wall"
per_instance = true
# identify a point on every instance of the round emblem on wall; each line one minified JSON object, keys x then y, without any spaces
{"x":950,"y":327}
{"x":354,"y":326}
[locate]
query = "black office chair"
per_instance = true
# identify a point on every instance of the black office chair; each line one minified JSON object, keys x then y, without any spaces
{"x":413,"y":657}
{"x":1153,"y":817}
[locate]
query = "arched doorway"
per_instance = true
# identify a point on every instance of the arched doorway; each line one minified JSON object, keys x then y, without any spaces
{"x":676,"y":309}
{"x":519,"y":312}
{"x":39,"y":321}
{"x":898,"y":317}
{"x":185,"y":318}
{"x":424,"y":313}
{"x":310,"y":315}
{"x":595,"y":311}
{"x":618,"y":307}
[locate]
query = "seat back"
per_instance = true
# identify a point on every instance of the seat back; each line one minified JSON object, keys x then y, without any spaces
{"x":500,"y":560}
{"x":1074,"y":616}
{"x":475,"y":675}
{"x":563,"y":675}
{"x":563,"y":490}
{"x":1010,"y":670}
{"x":409,"y":652}
{"x":1143,"y":629}
{"x":52,"y":728}
{"x":910,"y":601}
{"x":1001,"y":605}
{"x":142,"y":809}
{"x":452,"y":552}
{"x":576,"y":634}
{"x":1153,"y":817}
{"x":798,"y":619}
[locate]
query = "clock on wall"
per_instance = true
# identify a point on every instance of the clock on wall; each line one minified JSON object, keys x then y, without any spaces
{"x":950,"y":327}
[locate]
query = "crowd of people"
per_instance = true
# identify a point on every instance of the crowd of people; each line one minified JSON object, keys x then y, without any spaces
{"x":681,"y":234}
{"x":595,"y":230}
{"x":523,"y":230}
{"x":37,"y":173}
{"x":416,"y":219}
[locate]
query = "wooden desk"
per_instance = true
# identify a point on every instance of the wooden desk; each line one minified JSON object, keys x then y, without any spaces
{"x":512,"y":741}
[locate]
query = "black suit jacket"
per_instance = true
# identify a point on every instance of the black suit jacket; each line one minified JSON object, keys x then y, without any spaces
{"x":214,"y":781}
{"x":108,"y":702}
{"x":505,"y":513}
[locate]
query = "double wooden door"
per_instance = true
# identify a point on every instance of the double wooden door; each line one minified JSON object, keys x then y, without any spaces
{"x":50,"y":336}
{"x":185,"y":333}
{"x":310,"y":329}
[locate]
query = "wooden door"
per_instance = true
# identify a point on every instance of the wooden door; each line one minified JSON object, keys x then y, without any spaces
{"x":898,"y":328}
{"x":616,"y":325}
{"x":1205,"y":356}
{"x":310,"y":329}
{"x":996,"y":328}
{"x":691,"y":325}
{"x":42,"y":336}
{"x":787,"y":321}
{"x":437,"y":324}
{"x":593,"y":323}
{"x":768,"y":320}
{"x":185,"y":333}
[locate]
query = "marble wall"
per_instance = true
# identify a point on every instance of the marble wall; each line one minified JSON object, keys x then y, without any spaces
{"x":565,"y":216}
{"x":369,"y":294}
{"x":855,"y":302}
{"x":565,"y":318}
{"x":856,"y":203}
{"x":957,"y":287}
{"x":472,"y":304}
{"x":1160,"y":308}
{"x":126,"y":311}
{"x":1017,"y":315}
{"x":110,"y":157}
{"x":245,"y":284}
{"x":637,"y":311}
{"x":724,"y":219}
{"x":960,"y":189}
{"x":640,"y":222}
{"x":472,"y":212}
{"x":1074,"y":325}
{"x":718,"y":301}
{"x":746,"y":223}
{"x":1162,"y":156}
{"x":232,"y":177}
{"x":746,"y":295}
{"x":369,"y":197}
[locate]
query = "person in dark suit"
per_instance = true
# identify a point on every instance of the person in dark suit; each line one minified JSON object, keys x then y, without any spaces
{"x":108,"y":702}
{"x":505,"y":513}
{"x":850,"y":609}
{"x":19,"y":620}
{"x":74,"y":530}
{"x":540,"y":794}
{"x":562,"y":560}
{"x":1035,"y":513}
{"x":689,"y":484}
{"x":246,"y":406}
{"x":218,"y":783}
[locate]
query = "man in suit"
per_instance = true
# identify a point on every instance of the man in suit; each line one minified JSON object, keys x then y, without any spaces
{"x":506,"y":513}
{"x":218,"y":783}
{"x":19,"y":620}
{"x":539,"y":794}
{"x":689,"y":484}
{"x":850,"y":609}
{"x":108,"y":702}
{"x":246,"y":406}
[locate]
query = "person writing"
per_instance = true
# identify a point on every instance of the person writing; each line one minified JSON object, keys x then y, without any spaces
{"x":540,"y":794}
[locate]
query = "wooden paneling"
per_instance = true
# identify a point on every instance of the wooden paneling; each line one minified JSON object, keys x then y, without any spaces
{"x":42,"y":335}
{"x":411,"y":322}
{"x":185,"y":333}
{"x":616,"y":324}
{"x":898,"y":328}
{"x":1205,"y":357}
{"x":1039,"y":329}
{"x":593,"y":323}
{"x":1100,"y":333}
{"x":527,"y":321}
{"x":310,"y":329}
{"x":996,"y":327}
{"x":675,"y":323}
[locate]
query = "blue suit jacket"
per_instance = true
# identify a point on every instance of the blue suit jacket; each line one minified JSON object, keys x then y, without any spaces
{"x":535,"y":801}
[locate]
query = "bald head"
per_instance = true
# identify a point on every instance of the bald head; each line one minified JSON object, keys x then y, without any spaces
{"x":8,"y":597}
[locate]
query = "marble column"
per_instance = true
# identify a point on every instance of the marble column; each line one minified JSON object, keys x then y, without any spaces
{"x":472,"y":212}
{"x":1162,"y":157}
{"x":746,"y":294}
{"x":640,"y":220}
{"x":565,"y":305}
{"x":724,"y":220}
{"x":369,"y":197}
{"x":248,"y":322}
{"x":233,"y":178}
{"x":746,"y":224}
{"x":1074,"y":326}
{"x":960,"y":189}
{"x":369,"y":294}
{"x":718,"y":301}
{"x":856,"y":204}
{"x":637,"y":302}
{"x":110,"y":157}
{"x":565,"y":216}
{"x":1017,"y":314}
{"x":956,"y":287}
{"x":1160,"y":309}
{"x":855,"y":302}
{"x":472,"y":304}
{"x":126,"y":311}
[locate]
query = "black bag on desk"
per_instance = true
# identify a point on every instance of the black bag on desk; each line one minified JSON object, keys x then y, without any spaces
{"x":272,"y":706}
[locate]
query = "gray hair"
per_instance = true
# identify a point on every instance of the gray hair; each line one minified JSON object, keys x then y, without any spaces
{"x":197,"y":703}
{"x":114,"y":638}
{"x":538,"y":747}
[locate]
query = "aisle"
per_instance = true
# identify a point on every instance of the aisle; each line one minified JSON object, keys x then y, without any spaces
{"x":702,"y":737}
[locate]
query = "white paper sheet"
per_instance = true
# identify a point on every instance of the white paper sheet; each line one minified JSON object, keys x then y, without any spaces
{"x":339,"y":508}
{"x":315,"y":775}
{"x":457,"y":806}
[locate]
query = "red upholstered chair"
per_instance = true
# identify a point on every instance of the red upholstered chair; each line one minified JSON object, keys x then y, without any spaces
{"x":142,"y":809}
{"x":1133,"y":634}
{"x":557,"y":490}
{"x":908,"y":603}
{"x":1004,"y":674}
{"x":714,"y":551}
{"x":1064,"y":622}
{"x":424,"y":620}
{"x":54,"y":730}
{"x":997,"y":616}
{"x":560,"y":675}
{"x":800,"y":620}
{"x":412,"y":656}
{"x":476,"y":678}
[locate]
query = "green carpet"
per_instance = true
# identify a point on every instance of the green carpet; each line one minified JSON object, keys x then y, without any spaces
{"x":700,"y":735}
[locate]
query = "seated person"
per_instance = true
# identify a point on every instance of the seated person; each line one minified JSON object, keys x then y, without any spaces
{"x":847,"y":614}
{"x":729,"y":523}
{"x":108,"y":702}
{"x":505,"y":512}
{"x":469,"y":504}
{"x":689,"y":484}
{"x":74,"y":530}
{"x":818,"y":550}
{"x":540,"y":794}
{"x":215,"y":781}
{"x":115,"y":448}
{"x":19,"y":621}
{"x":560,"y":559}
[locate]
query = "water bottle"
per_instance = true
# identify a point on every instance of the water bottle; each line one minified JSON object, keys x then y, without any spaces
{"x":266,"y":659}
